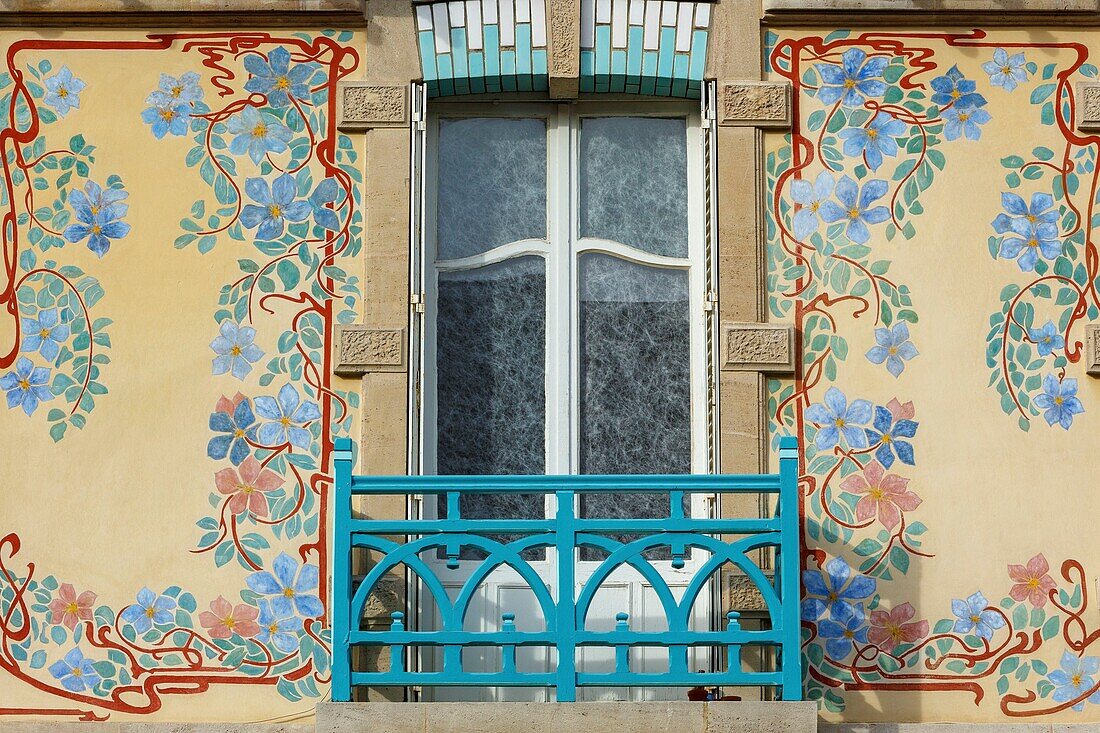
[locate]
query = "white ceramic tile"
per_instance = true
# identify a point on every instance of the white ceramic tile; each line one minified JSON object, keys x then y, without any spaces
{"x":473,"y":25}
{"x":603,"y":11}
{"x":652,"y":24}
{"x":618,"y":23}
{"x":442,"y":28}
{"x":507,"y":23}
{"x":702,"y":15}
{"x":523,"y":11}
{"x":538,"y":23}
{"x":588,"y":23}
{"x":683,"y":27}
{"x":668,"y":13}
{"x":458,"y":13}
{"x":423,"y":17}
{"x":489,"y":12}
{"x":637,"y":11}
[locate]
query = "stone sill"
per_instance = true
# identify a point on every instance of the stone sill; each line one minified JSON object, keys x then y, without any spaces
{"x":181,"y":13}
{"x":963,"y":13}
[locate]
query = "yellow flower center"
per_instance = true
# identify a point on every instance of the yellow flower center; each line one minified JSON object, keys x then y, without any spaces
{"x":273,"y":628}
{"x":1033,"y":583}
{"x":282,"y":83}
{"x":238,"y":433}
{"x":849,"y":634}
{"x":886,"y":438}
{"x":62,"y":92}
{"x":77,"y":672}
{"x":177,"y":90}
{"x":168,"y":114}
{"x":876,"y":493}
{"x":24,"y":384}
{"x":975,"y":619}
{"x":259,"y":130}
{"x":1006,"y":69}
{"x":892,"y":351}
{"x":1032,"y":242}
{"x":288,"y":592}
{"x":284,"y":421}
{"x":832,"y":597}
{"x":275,"y":211}
{"x":815,"y":206}
{"x":44,"y":333}
{"x":849,"y":83}
{"x":1058,"y":400}
{"x":95,"y":209}
{"x":245,"y":488}
{"x":964,"y":117}
{"x":96,"y":229}
{"x":840,"y":422}
{"x":150,"y":612}
{"x":1076,"y":680}
{"x":235,"y":351}
{"x":895,"y":631}
{"x":853,"y":213}
{"x":872,"y":134}
{"x":1030,"y":218}
{"x":72,"y":608}
{"x":955,"y":94}
{"x":229,"y":622}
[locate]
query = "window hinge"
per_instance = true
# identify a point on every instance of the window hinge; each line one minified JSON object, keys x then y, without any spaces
{"x":417,"y":302}
{"x":710,"y":302}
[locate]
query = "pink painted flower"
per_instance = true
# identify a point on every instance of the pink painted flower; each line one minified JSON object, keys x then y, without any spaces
{"x":223,"y":620}
{"x":884,"y":494}
{"x":247,"y":488}
{"x":68,"y":608}
{"x":1032,"y":581}
{"x":901,"y":411}
{"x":890,"y":628}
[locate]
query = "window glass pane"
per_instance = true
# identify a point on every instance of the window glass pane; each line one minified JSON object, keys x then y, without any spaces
{"x":492,"y":184}
{"x":635,"y":382}
{"x":491,"y":399}
{"x":633,"y":182}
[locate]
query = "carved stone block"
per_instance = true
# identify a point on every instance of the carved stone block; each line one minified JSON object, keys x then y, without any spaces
{"x":758,"y":347}
{"x":1088,"y":107}
{"x":563,"y":64}
{"x":744,"y":595}
{"x":360,"y":350}
{"x":754,"y":104}
{"x":362,"y":106}
{"x":1092,"y":350}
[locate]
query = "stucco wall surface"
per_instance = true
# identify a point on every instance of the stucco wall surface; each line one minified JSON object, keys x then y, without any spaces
{"x":181,"y":237}
{"x":931,"y":236}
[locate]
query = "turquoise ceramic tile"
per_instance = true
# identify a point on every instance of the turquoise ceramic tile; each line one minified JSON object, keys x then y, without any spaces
{"x":477,"y":72}
{"x":634,"y":47}
{"x":649,"y":72}
{"x":666,"y":49}
{"x":539,"y":76}
{"x":492,"y":54}
{"x":446,"y":75}
{"x":461,"y":62}
{"x":433,"y":88}
{"x":427,"y":55}
{"x":508,"y":70}
{"x":679,"y":75}
{"x":603,"y":56}
{"x":587,"y":71}
{"x":698,"y":55}
{"x":523,"y":57}
{"x":618,"y":70}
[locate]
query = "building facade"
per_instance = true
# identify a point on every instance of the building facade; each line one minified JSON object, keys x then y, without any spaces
{"x":514,"y":237}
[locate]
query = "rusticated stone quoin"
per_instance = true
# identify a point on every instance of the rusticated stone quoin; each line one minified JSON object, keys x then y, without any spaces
{"x":360,"y":350}
{"x":754,"y":104}
{"x":363,"y":106}
{"x":744,"y":595}
{"x":1088,"y":106}
{"x":564,"y":59}
{"x":758,"y":347}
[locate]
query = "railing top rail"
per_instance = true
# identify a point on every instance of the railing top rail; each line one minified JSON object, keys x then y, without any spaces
{"x":710,"y":483}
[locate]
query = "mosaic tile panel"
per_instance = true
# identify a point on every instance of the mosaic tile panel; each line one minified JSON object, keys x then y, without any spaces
{"x":482,"y":46}
{"x":643,"y":47}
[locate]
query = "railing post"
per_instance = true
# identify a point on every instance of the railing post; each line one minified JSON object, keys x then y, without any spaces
{"x":341,"y":571}
{"x":622,"y":651}
{"x":789,"y":567}
{"x":397,"y":650}
{"x":508,"y":651}
{"x":566,"y":542}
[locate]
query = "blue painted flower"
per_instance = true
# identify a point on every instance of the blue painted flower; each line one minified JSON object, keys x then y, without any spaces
{"x":855,"y":207}
{"x":287,"y":414}
{"x":965,"y":122}
{"x":1031,"y":230}
{"x":276,"y":205}
{"x":279,"y":630}
{"x":238,"y":425}
{"x":843,"y":631}
{"x":257,"y":134}
{"x":44,"y":334}
{"x":811,"y":197}
{"x":955,"y":89}
{"x":276,"y":79}
{"x":835,"y":418}
{"x":99,"y":212}
{"x":150,"y":609}
{"x":974,"y":616}
{"x":1046,"y":339}
{"x":1006,"y":71}
{"x":1059,"y":400}
{"x":75,"y":671}
{"x":235,"y":349}
{"x":1075,"y":679}
{"x":173,"y":91}
{"x":890,"y":426}
{"x":877,"y":139}
{"x":833,"y":590}
{"x":289,"y":587}
{"x":166,"y":118}
{"x":63,"y":91}
{"x":893,"y":347}
{"x":27,"y":386}
{"x":854,"y":79}
{"x":327,"y":192}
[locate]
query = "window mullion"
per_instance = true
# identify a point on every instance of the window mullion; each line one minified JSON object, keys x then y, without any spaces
{"x":559,"y":278}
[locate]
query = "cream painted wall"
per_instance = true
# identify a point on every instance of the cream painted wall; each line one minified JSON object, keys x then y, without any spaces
{"x":991,"y":494}
{"x":112,"y":508}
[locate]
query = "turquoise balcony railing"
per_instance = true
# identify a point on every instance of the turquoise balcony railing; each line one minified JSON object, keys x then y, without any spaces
{"x":722,"y":541}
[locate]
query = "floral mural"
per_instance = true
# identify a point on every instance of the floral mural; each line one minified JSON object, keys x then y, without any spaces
{"x":878,"y":118}
{"x":259,"y":113}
